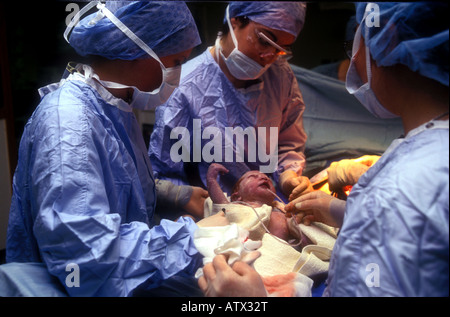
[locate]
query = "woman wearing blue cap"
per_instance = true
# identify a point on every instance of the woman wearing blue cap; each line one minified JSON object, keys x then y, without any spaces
{"x":243,"y":83}
{"x":394,"y":238}
{"x":84,"y":191}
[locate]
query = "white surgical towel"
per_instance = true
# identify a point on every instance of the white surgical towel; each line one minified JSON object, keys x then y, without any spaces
{"x":276,"y":257}
{"x":244,"y":216}
{"x":279,"y":258}
{"x":229,"y":240}
{"x":315,"y":257}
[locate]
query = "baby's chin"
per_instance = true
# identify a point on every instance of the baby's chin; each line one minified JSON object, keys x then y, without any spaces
{"x":263,"y":199}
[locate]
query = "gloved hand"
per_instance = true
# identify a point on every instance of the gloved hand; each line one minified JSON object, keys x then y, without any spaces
{"x":195,"y":205}
{"x":317,"y":206}
{"x":294,"y":186}
{"x":347,"y":172}
{"x":222,"y":280}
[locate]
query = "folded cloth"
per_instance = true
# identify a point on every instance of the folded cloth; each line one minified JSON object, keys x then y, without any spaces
{"x":277,"y":257}
{"x":313,"y":261}
{"x":230,"y":240}
{"x":315,"y":257}
{"x":320,"y":234}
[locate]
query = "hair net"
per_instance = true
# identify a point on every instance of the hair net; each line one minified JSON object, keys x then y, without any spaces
{"x":283,"y":16}
{"x":167,"y":27}
{"x":413,"y":34}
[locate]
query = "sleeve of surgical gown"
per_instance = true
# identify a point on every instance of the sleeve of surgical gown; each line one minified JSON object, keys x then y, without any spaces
{"x":171,"y":117}
{"x":169,"y":194}
{"x":292,"y":136}
{"x":76,"y":223}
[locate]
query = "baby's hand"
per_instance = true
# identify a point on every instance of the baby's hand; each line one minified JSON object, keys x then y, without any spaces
{"x":278,"y":205}
{"x":214,"y":170}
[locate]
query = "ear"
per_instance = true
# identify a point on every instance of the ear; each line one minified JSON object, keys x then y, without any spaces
{"x":235,"y":197}
{"x":235,"y":23}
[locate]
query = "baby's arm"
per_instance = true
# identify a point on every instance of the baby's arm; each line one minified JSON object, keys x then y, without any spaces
{"x":278,"y":225}
{"x":215,"y":192}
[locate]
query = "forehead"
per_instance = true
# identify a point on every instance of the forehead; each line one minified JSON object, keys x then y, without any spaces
{"x":280,"y":37}
{"x":251,"y":173}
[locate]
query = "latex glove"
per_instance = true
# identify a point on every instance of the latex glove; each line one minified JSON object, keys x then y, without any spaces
{"x":195,"y":205}
{"x":347,"y":172}
{"x":292,"y":284}
{"x":317,"y":206}
{"x":222,"y":280}
{"x":294,"y":186}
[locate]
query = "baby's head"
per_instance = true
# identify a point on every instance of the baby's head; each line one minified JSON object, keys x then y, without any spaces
{"x":254,"y":186}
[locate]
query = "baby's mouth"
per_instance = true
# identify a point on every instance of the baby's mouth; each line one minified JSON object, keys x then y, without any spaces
{"x":265,"y":184}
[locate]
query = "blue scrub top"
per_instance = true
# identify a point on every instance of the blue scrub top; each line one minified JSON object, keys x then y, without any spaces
{"x":395,"y":236}
{"x":273,"y":105}
{"x":84,"y":193}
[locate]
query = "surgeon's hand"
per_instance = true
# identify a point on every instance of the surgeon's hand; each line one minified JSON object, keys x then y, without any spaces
{"x":222,"y":280}
{"x":294,"y":186}
{"x":347,"y":172}
{"x":313,"y":207}
{"x":216,"y":220}
{"x":195,"y":205}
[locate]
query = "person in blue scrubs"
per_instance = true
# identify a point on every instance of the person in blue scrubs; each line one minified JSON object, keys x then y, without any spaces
{"x":243,"y":83}
{"x":394,"y":226}
{"x":83,"y":191}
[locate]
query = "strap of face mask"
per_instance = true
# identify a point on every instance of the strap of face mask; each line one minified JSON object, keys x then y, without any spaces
{"x":366,"y":37}
{"x":366,"y":47}
{"x":368,"y":61}
{"x":89,"y":73}
{"x":105,"y":12}
{"x":233,"y":37}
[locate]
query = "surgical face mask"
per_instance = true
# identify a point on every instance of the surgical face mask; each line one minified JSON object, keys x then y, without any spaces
{"x":144,"y":100}
{"x":362,"y":91}
{"x":240,"y":65}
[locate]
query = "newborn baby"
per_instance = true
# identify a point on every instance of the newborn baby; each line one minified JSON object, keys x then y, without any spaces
{"x":255,"y":189}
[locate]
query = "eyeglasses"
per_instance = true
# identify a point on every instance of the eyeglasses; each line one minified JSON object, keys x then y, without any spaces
{"x":348,"y":48}
{"x":266,"y":47}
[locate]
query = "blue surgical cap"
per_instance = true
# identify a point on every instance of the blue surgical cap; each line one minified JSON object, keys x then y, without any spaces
{"x":413,"y":34}
{"x":279,"y":15}
{"x":167,"y":27}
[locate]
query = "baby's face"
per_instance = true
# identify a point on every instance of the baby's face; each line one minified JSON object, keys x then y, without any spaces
{"x":255,"y":186}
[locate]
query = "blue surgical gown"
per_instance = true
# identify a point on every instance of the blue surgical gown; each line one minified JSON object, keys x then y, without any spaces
{"x":84,"y":193}
{"x":394,"y":240}
{"x":206,"y":94}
